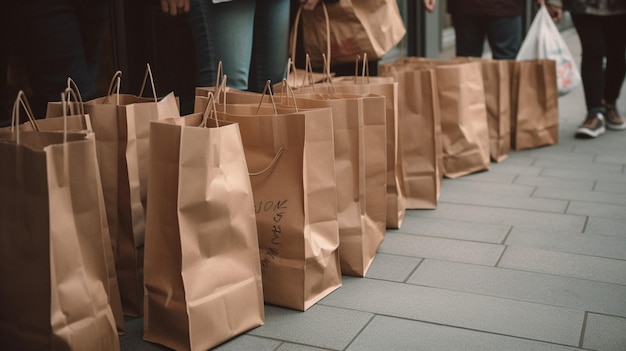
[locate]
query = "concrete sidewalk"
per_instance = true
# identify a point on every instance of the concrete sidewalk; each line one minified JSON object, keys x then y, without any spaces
{"x":530,"y":255}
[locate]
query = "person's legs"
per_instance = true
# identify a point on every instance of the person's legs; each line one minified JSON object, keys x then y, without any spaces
{"x":590,"y":33}
{"x":615,"y":61}
{"x":615,"y":68}
{"x":470,"y":34}
{"x":270,"y":48}
{"x":505,"y":37}
{"x":92,"y":18}
{"x":223,"y":32}
{"x":48,"y":38}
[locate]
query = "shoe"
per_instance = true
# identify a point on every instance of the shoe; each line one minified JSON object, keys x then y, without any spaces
{"x":613,"y":119}
{"x":592,"y":127}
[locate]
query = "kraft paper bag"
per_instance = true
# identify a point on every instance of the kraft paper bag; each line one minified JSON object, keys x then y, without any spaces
{"x":536,"y":117}
{"x":464,"y":126}
{"x":465,"y":134}
{"x":51,"y":249}
{"x":356,"y":27}
{"x":121,"y":123}
{"x":360,"y":172}
{"x":497,"y":88}
{"x":202,"y":269}
{"x":383,"y":86}
{"x":290,"y":156}
{"x":82,"y":122}
{"x":387,"y":87}
{"x":419,"y":135}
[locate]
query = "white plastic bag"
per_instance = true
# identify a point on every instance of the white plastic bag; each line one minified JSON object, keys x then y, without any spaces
{"x":543,"y":41}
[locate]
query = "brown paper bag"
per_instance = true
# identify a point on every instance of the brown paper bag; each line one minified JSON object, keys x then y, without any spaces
{"x":82,"y":122}
{"x":536,"y":121}
{"x":419,"y":139}
{"x":202,"y":270}
{"x":497,"y":88}
{"x":360,"y":173}
{"x":291,"y":159}
{"x":356,"y":27}
{"x":384,"y":86}
{"x":51,"y":250}
{"x":465,"y":134}
{"x":121,"y":123}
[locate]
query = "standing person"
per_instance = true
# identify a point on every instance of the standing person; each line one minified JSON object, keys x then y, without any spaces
{"x":499,"y":21}
{"x":250,"y":37}
{"x":601,"y":28}
{"x":57,"y":39}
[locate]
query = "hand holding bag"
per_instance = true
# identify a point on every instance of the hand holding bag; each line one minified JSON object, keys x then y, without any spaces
{"x":544,"y":41}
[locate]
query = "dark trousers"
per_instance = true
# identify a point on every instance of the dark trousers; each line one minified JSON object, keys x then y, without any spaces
{"x":504,"y":35}
{"x":601,"y":37}
{"x":57,"y":39}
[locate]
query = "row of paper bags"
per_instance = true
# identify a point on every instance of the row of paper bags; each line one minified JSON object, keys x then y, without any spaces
{"x":247,"y":203}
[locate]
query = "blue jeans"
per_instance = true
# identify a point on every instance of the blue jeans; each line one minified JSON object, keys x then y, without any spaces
{"x":250,"y":40}
{"x":504,"y":35}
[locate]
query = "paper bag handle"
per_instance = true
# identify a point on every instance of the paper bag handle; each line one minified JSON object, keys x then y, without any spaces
{"x":145,"y":80}
{"x":116,"y":81}
{"x":220,"y":74}
{"x":365,"y":70}
{"x":71,"y":84}
{"x":267,"y":89}
{"x":210,"y":110}
{"x":274,"y":161}
{"x":22,"y":101}
{"x":294,"y":33}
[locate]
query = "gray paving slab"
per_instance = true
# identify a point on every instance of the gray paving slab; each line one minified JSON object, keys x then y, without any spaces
{"x":388,"y":333}
{"x":597,"y":209}
{"x":580,"y":294}
{"x":474,"y":188}
{"x":493,"y":177}
{"x":564,"y":264}
{"x":472,"y":311}
{"x":249,"y":342}
{"x":619,"y":159}
{"x":607,"y":226}
{"x":606,"y":333}
{"x":594,"y":196}
{"x":133,"y":339}
{"x":444,"y":249}
{"x":504,"y":200}
{"x":515,"y":158}
{"x":320,"y":326}
{"x":392,"y":267}
{"x":452,"y":229}
{"x":573,"y":242}
{"x":557,"y":183}
{"x":295,"y":347}
{"x":555,"y":156}
{"x":484,"y":214}
{"x":509,"y":168}
{"x":610,"y":186}
{"x":577,"y":164}
{"x":586,"y":173}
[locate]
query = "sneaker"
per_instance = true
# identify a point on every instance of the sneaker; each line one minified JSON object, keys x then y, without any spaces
{"x":592,"y":127}
{"x":613,"y":119}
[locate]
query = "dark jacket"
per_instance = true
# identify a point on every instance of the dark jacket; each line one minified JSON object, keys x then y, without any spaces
{"x":496,"y":8}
